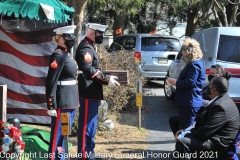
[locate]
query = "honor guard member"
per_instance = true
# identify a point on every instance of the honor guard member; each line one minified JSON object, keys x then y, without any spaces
{"x":61,"y":88}
{"x":90,"y":88}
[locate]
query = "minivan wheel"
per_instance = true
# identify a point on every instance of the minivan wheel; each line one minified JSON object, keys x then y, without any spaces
{"x":169,"y":94}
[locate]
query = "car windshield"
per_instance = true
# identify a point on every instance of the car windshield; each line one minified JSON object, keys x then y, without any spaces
{"x":160,"y":44}
{"x":229,"y":48}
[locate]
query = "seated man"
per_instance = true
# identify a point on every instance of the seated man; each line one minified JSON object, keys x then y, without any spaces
{"x":216,"y":70}
{"x":215,"y":128}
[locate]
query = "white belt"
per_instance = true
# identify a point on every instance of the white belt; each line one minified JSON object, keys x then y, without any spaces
{"x":72,"y":82}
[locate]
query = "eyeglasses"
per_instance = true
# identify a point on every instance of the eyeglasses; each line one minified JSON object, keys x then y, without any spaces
{"x":184,"y":48}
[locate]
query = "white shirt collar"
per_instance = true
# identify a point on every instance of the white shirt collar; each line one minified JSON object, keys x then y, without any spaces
{"x":213,"y":100}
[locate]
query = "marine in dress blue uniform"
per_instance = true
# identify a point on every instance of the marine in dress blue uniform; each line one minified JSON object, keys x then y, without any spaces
{"x":61,"y":88}
{"x":90,"y":88}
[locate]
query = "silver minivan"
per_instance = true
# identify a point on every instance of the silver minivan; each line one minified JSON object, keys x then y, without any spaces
{"x":155,"y":52}
{"x":220,"y":45}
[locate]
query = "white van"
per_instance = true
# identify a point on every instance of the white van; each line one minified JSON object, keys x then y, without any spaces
{"x":220,"y":45}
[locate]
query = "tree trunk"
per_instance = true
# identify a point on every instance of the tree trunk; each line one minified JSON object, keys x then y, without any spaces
{"x":191,"y":22}
{"x":79,"y":7}
{"x":233,"y":19}
{"x":217,"y":19}
{"x":118,"y":23}
{"x":222,"y":9}
{"x":224,"y":17}
{"x":171,"y":30}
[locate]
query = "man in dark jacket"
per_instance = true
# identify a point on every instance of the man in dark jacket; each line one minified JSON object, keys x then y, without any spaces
{"x":90,"y":88}
{"x":215,"y":127}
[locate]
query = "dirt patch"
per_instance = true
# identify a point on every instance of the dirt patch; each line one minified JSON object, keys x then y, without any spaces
{"x":125,"y":141}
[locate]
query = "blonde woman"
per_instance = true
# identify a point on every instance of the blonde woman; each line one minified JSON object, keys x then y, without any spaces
{"x":189,"y":86}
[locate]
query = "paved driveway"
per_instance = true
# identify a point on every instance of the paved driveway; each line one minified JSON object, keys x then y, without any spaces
{"x":161,"y":141}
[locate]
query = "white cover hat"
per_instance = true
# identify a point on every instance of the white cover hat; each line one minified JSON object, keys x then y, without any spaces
{"x":66,"y":29}
{"x":96,"y":26}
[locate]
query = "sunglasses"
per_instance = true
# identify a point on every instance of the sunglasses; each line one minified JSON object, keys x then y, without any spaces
{"x":217,"y":66}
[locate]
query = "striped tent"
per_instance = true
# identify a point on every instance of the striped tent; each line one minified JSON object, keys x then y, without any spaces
{"x":25,"y":48}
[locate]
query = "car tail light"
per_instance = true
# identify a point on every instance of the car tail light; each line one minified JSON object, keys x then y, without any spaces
{"x":208,"y":71}
{"x":137,"y":57}
{"x":236,"y":100}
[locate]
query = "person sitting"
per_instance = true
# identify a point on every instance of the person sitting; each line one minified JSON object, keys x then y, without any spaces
{"x":216,"y":70}
{"x":215,"y":128}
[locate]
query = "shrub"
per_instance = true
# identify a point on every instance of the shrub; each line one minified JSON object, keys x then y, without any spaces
{"x":121,"y":97}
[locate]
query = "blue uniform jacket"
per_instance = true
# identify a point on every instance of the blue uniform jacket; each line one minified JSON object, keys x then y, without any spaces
{"x":189,"y":85}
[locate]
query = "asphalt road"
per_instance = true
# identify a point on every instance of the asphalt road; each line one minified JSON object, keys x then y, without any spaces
{"x":161,"y":141}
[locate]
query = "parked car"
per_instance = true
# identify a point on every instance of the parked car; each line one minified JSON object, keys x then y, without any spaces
{"x":220,"y":45}
{"x":155,"y":52}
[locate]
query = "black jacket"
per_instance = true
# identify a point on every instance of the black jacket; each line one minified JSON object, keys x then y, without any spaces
{"x":61,"y":68}
{"x":90,"y":82}
{"x":219,"y":122}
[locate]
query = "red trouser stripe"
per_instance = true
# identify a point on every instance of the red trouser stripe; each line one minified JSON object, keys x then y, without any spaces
{"x":84,"y":128}
{"x":55,"y":132}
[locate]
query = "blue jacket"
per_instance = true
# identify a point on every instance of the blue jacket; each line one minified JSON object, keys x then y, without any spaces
{"x":189,"y":85}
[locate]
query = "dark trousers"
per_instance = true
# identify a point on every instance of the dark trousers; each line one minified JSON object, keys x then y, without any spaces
{"x":87,"y":126}
{"x":174,"y":123}
{"x":199,"y":149}
{"x":202,"y":149}
{"x":184,"y":119}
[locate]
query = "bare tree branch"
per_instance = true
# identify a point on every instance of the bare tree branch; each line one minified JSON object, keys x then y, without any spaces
{"x":216,"y":16}
{"x":233,"y":19}
{"x":205,"y":9}
{"x":234,"y":3}
{"x":219,"y":7}
{"x":223,"y":10}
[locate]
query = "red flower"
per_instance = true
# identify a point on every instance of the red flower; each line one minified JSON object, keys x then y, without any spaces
{"x":14,"y":135}
{"x":9,"y":151}
{"x":21,"y":144}
{"x":14,"y":132}
{"x":1,"y":134}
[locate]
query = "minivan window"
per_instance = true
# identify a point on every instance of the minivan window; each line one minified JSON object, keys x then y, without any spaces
{"x":130,"y":43}
{"x":160,"y":44}
{"x":229,"y":48}
{"x":126,"y":42}
{"x":116,"y":44}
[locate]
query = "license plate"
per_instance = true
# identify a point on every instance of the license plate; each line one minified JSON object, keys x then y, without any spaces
{"x":162,"y":60}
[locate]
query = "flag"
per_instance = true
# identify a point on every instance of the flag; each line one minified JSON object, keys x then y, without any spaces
{"x":25,"y":49}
